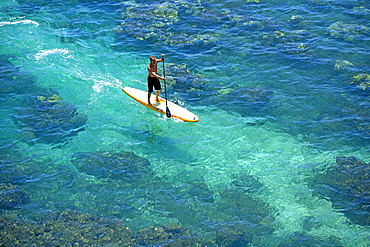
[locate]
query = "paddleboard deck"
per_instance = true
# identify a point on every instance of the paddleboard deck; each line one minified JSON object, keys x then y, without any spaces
{"x":177,"y":111}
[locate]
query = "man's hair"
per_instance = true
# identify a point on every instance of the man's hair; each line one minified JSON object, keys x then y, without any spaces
{"x":152,"y":58}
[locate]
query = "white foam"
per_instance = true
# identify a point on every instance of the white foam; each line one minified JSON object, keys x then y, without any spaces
{"x":44,"y":53}
{"x":100,"y":84}
{"x":4,"y":23}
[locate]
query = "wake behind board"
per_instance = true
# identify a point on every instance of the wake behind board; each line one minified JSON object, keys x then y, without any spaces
{"x":176,"y":110}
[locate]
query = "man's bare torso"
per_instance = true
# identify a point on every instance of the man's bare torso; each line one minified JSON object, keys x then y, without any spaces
{"x":152,"y":68}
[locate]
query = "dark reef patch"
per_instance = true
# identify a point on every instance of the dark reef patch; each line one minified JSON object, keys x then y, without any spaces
{"x":347,"y":186}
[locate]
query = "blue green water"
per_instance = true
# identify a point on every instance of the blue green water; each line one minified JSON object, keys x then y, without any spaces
{"x":297,"y":60}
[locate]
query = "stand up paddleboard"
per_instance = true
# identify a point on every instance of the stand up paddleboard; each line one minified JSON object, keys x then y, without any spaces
{"x":176,"y":110}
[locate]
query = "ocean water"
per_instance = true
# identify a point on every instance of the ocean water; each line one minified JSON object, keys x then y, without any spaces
{"x":281,"y":89}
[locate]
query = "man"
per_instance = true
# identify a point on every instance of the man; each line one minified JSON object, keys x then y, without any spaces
{"x":153,"y":78}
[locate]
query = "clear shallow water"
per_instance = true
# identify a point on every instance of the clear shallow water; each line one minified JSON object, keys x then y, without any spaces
{"x":305,"y":52}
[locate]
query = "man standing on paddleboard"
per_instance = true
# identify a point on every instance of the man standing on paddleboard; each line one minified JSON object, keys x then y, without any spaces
{"x":153,"y":78}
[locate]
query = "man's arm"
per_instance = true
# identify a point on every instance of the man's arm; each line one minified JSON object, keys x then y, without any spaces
{"x":160,"y":60}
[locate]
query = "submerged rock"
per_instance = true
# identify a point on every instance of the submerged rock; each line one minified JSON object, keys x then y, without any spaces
{"x":66,"y":228}
{"x":362,"y":81}
{"x":161,"y":29}
{"x":12,"y":80}
{"x":170,"y":235}
{"x":192,"y":87}
{"x":8,"y":166}
{"x":343,"y":65}
{"x":41,"y":114}
{"x":231,"y":236}
{"x":311,"y":223}
{"x":347,"y":185}
{"x":291,"y":44}
{"x":188,"y":86}
{"x":183,"y":79}
{"x":298,"y":239}
{"x":348,"y":32}
{"x":11,"y":196}
{"x":246,"y":101}
{"x":49,"y":119}
{"x":361,"y":11}
{"x":197,"y":190}
{"x":242,"y":218}
{"x":247,"y":183}
{"x":122,"y":165}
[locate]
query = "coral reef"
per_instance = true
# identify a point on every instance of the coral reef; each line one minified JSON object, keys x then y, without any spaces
{"x":362,"y":81}
{"x":188,"y":85}
{"x":234,"y":228}
{"x":122,"y":165}
{"x":246,"y":101}
{"x":160,"y":29}
{"x":66,"y":228}
{"x":247,"y":183}
{"x":343,"y":65}
{"x":361,"y":10}
{"x":12,"y":80}
{"x":243,"y":100}
{"x":347,"y":185}
{"x":170,"y":236}
{"x":348,"y":32}
{"x":73,"y":228}
{"x":11,"y":196}
{"x":196,"y":190}
{"x":49,"y":119}
{"x":42,"y":114}
{"x":161,"y":207}
{"x":298,"y":239}
{"x":231,"y":236}
{"x":9,"y":172}
{"x":310,"y":223}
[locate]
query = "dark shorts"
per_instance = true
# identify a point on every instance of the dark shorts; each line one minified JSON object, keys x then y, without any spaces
{"x":153,"y":82}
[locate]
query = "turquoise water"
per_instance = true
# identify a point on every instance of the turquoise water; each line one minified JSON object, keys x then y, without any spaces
{"x":297,"y":62}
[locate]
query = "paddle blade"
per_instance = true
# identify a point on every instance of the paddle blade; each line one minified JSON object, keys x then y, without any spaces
{"x":168,"y":113}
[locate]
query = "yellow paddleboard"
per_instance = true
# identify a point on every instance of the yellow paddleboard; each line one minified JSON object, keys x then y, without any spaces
{"x":176,"y":110}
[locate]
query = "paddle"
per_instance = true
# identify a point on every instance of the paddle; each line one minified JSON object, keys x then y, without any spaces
{"x":168,"y":113}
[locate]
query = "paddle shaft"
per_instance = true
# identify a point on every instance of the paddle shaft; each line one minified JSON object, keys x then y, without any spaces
{"x":168,"y":113}
{"x":164,"y":81}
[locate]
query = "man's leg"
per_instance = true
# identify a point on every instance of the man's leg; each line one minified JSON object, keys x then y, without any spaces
{"x":149,"y":95}
{"x":157,"y":95}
